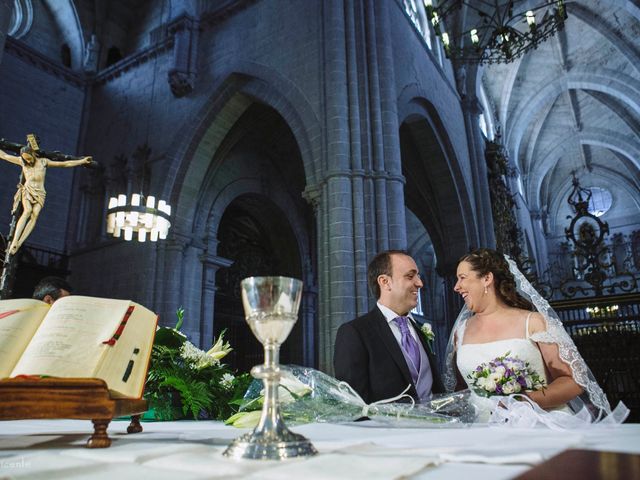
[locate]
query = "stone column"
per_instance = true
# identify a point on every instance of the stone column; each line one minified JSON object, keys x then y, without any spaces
{"x":354,"y":46}
{"x":6,"y":10}
{"x":471,"y":109}
{"x":335,"y":194}
{"x":210,"y":266}
{"x":309,"y":307}
{"x":389,"y":128}
{"x":541,"y":251}
{"x":170,"y":260}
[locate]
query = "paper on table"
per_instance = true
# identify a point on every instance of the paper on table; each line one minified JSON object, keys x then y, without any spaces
{"x":528,"y":448}
{"x":353,"y":467}
{"x":50,"y":467}
{"x":134,"y":451}
{"x":210,"y":463}
{"x":525,"y":458}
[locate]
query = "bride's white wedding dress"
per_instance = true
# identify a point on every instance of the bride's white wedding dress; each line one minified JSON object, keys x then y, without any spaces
{"x":470,"y":355}
{"x":589,"y":408}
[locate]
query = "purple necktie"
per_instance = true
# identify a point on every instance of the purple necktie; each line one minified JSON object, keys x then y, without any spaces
{"x":409,"y":344}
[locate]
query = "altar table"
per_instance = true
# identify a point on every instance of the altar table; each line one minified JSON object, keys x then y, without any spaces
{"x":54,"y":449}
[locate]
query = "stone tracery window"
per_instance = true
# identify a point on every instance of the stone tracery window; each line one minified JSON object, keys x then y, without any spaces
{"x":414,"y":9}
{"x":600,"y":201}
{"x":416,"y":13}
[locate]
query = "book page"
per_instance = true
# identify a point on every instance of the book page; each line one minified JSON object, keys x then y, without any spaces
{"x":69,"y":340}
{"x":125,"y":365}
{"x":19,"y":320}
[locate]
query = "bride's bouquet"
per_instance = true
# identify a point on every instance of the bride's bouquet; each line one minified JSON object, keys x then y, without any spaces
{"x":504,"y":375}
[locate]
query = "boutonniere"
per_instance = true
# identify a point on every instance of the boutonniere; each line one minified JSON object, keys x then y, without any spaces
{"x":427,"y":333}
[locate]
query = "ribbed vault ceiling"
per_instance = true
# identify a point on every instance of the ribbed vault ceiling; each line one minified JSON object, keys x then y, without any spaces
{"x":574,"y":105}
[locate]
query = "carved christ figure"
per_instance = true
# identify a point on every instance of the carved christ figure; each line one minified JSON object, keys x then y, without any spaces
{"x":31,"y":192}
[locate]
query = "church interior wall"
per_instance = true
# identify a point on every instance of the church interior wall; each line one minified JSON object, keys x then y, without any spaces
{"x":425,"y":82}
{"x":417,"y":71}
{"x":293,"y":58}
{"x":35,"y":101}
{"x":277,"y":38}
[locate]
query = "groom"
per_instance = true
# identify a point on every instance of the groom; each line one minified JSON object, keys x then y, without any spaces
{"x":381,"y":353}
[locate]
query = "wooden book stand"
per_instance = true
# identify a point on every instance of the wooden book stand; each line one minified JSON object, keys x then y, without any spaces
{"x":78,"y":398}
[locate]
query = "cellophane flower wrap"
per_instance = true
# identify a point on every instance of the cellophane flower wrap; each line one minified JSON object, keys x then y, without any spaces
{"x":504,"y":375}
{"x":306,"y":395}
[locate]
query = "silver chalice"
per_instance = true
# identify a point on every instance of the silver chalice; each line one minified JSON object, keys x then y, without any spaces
{"x":271,"y":310}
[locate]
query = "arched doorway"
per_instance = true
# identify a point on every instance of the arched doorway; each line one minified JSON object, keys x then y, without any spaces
{"x":255,"y":234}
{"x":437,"y":202}
{"x":257,"y":219}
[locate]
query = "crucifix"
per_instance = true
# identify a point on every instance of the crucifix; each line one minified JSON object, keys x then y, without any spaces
{"x":29,"y":198}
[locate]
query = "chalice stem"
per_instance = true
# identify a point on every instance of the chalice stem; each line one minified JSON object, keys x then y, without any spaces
{"x":270,"y":418}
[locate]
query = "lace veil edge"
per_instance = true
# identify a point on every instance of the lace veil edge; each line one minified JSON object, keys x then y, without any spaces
{"x":593,"y":396}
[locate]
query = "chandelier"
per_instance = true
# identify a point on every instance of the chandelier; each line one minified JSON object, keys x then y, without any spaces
{"x":501,"y":31}
{"x":126,"y":216}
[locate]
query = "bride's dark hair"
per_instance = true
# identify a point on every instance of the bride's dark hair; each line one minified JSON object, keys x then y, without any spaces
{"x":485,"y":260}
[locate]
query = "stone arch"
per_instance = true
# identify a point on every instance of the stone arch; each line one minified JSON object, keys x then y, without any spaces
{"x":616,"y":84}
{"x":611,"y":177}
{"x":227,"y":160}
{"x":255,"y":232}
{"x":22,"y":18}
{"x":66,"y":16}
{"x":230,"y":98}
{"x":594,"y":21}
{"x":601,"y":25}
{"x":427,"y":154}
{"x":507,"y":90}
{"x":613,"y":141}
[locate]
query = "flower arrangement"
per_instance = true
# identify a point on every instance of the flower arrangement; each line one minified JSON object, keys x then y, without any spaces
{"x":186,"y":382}
{"x":428,"y":334}
{"x":504,"y":375}
{"x":290,"y":390}
{"x":306,"y":395}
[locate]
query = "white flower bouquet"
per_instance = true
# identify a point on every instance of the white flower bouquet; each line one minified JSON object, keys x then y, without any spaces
{"x":186,"y":382}
{"x":504,"y":375}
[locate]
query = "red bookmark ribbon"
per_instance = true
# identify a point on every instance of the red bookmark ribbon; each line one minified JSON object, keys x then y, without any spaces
{"x":112,"y":341}
{"x":7,"y":313}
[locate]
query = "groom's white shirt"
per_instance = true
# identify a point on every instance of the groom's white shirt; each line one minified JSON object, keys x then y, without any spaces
{"x":389,"y":316}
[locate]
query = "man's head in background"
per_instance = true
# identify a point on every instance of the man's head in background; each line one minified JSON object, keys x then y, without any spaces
{"x":50,"y":289}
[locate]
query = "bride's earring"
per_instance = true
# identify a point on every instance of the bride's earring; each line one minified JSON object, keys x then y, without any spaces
{"x":485,"y":290}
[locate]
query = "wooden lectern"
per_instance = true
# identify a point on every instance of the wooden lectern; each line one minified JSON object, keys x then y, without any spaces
{"x":77,"y":398}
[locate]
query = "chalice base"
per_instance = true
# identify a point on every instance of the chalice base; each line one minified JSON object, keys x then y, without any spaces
{"x":265,"y":445}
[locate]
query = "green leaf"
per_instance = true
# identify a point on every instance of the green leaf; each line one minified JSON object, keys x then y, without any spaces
{"x":180,"y":315}
{"x":169,"y":337}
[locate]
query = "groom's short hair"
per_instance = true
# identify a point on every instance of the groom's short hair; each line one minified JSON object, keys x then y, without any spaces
{"x":381,"y":265}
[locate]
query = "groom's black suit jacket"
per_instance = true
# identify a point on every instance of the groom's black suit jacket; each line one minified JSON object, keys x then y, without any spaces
{"x":367,"y":356}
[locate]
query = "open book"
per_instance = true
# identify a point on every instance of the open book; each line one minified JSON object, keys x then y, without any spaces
{"x":78,"y":337}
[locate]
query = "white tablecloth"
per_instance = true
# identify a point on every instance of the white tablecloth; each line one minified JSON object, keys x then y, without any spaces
{"x":54,"y":449}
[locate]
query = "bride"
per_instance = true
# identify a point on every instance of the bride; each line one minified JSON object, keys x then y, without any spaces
{"x":503,"y":314}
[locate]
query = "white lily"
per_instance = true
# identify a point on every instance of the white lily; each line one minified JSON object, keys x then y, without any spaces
{"x":244,"y":419}
{"x":220,"y":349}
